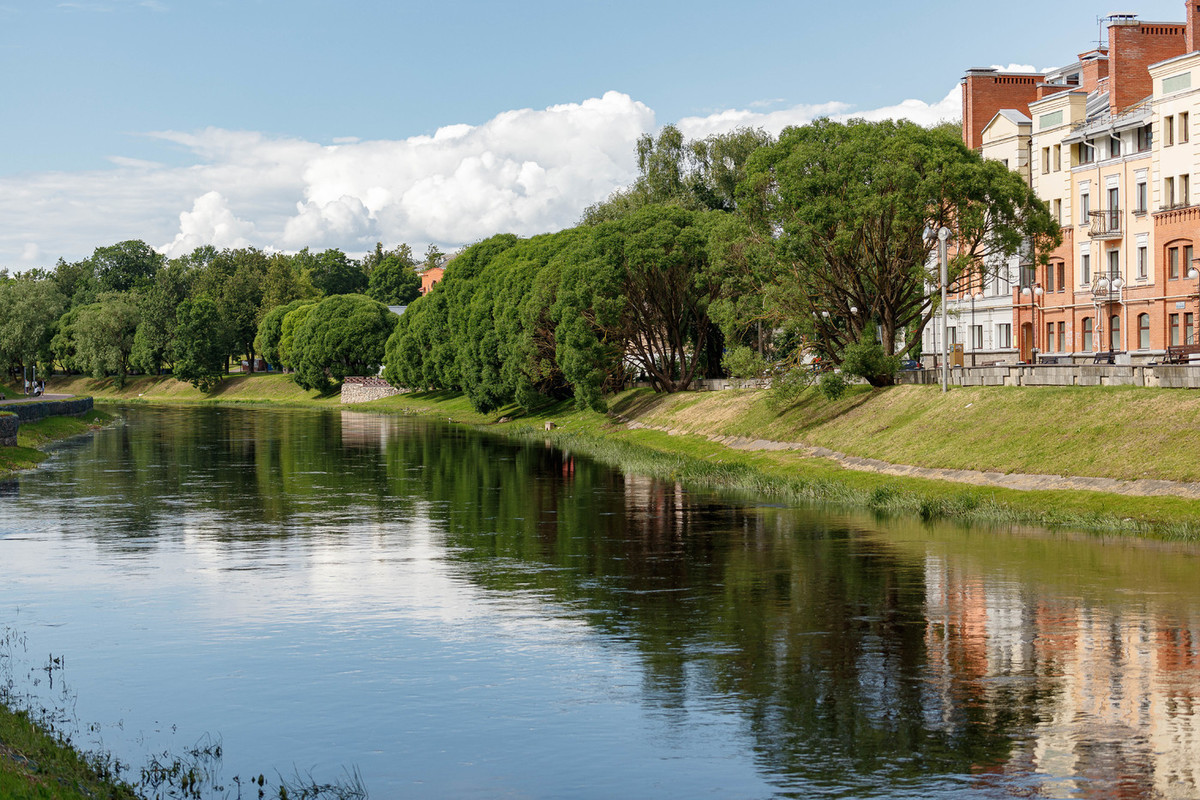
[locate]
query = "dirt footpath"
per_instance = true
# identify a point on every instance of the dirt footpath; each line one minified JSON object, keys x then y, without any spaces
{"x":1018,"y":481}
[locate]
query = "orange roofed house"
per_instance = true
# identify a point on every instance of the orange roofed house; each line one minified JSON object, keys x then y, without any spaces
{"x":1109,"y":142}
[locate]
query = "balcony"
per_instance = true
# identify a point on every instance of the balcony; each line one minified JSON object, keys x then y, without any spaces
{"x":1105,"y":224}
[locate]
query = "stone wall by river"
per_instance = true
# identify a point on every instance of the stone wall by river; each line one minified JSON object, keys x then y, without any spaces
{"x":32,"y":412}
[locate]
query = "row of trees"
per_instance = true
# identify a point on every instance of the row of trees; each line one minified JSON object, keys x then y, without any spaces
{"x":127,"y":309}
{"x":725,"y":253}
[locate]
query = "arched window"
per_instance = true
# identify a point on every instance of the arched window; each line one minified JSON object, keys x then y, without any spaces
{"x":1114,"y":333}
{"x":1143,"y":331}
{"x":1089,"y":325}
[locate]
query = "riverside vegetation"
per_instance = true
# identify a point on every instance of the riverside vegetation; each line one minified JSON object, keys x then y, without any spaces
{"x":916,"y":425}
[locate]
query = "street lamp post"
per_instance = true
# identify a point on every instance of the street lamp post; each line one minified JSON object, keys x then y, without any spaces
{"x":1194,"y":274}
{"x":1033,"y":295}
{"x":943,"y":235}
{"x":971,"y":335}
{"x":1108,"y":284}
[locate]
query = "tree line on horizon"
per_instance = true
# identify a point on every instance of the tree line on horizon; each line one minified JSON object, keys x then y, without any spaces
{"x":739,"y":254}
{"x":127,"y":309}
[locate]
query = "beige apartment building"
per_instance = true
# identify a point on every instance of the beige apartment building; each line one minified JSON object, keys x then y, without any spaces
{"x":1109,"y":142}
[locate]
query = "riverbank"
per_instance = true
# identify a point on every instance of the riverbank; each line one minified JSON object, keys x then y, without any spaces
{"x":672,"y":436}
{"x":1120,"y":433}
{"x":35,"y":765}
{"x":32,"y":436}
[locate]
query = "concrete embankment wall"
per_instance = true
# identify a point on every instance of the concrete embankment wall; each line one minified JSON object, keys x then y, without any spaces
{"x":13,"y":415}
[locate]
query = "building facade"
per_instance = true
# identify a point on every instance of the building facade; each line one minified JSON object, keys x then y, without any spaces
{"x":1108,"y":143}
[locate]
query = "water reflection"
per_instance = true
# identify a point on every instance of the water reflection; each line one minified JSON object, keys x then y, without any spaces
{"x":771,"y":651}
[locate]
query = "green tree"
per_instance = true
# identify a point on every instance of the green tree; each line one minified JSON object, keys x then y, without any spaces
{"x":292,"y":321}
{"x":269,"y":338}
{"x":342,"y":335}
{"x":284,"y":282}
{"x":29,"y":310}
{"x":331,"y":272}
{"x":125,"y":265}
{"x":152,"y":344}
{"x":104,"y":332}
{"x":846,"y":206}
{"x":644,"y":296}
{"x":199,"y":357}
{"x":393,"y":279}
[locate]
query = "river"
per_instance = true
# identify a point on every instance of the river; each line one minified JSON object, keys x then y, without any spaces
{"x":450,"y":614}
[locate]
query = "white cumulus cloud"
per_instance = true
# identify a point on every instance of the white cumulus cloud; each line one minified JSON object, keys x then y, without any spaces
{"x":209,"y":222}
{"x":524,"y":171}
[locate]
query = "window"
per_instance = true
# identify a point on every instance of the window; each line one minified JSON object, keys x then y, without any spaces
{"x":976,"y":337}
{"x":1183,"y":126}
{"x":951,"y":336}
{"x":1062,"y":277}
{"x":1142,"y":261}
{"x":1049,"y":337}
{"x":1085,"y":206}
{"x":1168,"y":131}
{"x":1114,"y":146}
{"x":1173,"y":321}
{"x":1085,"y":268}
{"x":1114,"y":263}
{"x":1114,"y":333}
{"x":1049,"y":277}
{"x":1062,"y":337}
{"x":1057,"y":157}
{"x":1183,"y":190}
{"x":1045,"y":160}
{"x":1144,"y":138}
{"x":1004,"y":335}
{"x":1173,"y":263}
{"x":1114,"y":200}
{"x":1058,"y":211}
{"x":1187,"y":257}
{"x":1141,"y":197}
{"x":1143,"y":331}
{"x":1168,"y":192}
{"x":1088,"y":325}
{"x":1189,"y":336}
{"x":1087,"y":153}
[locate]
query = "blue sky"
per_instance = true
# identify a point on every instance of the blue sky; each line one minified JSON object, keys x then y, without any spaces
{"x":281,"y":124}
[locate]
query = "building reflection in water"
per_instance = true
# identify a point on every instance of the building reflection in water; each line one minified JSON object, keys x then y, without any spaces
{"x":1114,"y":692}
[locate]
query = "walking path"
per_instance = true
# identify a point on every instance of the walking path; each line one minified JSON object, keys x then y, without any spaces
{"x":23,"y":399}
{"x":1019,"y":481}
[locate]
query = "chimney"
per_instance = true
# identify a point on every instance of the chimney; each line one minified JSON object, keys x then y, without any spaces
{"x":1192,"y":42}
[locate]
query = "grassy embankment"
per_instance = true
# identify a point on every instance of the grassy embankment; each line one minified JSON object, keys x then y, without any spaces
{"x":34,"y":435}
{"x":1115,"y":432}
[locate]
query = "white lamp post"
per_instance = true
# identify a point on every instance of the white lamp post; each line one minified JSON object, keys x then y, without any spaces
{"x":1033,"y":296}
{"x":943,"y":234}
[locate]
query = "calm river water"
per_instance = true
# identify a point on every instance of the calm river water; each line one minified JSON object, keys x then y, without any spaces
{"x":459,"y":616}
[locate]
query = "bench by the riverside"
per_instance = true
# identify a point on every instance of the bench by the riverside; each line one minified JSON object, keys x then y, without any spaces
{"x":1049,"y":359}
{"x":1108,"y":357}
{"x":1180,"y":353}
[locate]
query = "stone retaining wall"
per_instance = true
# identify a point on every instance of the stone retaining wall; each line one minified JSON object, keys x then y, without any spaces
{"x":364,"y":390}
{"x":1168,"y":376}
{"x":9,"y":423}
{"x":40,"y":409}
{"x":16,"y":413}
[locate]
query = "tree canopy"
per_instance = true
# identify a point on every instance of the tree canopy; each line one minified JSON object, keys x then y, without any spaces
{"x":846,"y":206}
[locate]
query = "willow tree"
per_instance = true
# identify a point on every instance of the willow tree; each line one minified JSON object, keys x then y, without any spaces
{"x":847,"y":206}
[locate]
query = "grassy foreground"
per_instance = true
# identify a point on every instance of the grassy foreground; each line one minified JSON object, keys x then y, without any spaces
{"x":37,"y":766}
